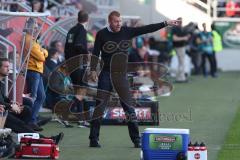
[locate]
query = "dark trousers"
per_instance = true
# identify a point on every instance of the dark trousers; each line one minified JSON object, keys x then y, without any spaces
{"x":18,"y":126}
{"x":81,"y":107}
{"x":105,"y":86}
{"x":77,"y":78}
{"x":215,"y":62}
{"x":25,"y":115}
{"x":36,"y":89}
{"x":213,"y":68}
{"x":196,"y":60}
{"x":19,"y":122}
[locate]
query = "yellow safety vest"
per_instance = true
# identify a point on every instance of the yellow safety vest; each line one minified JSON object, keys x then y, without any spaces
{"x":217,"y":41}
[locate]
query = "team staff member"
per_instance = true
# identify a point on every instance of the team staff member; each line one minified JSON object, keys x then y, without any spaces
{"x":111,"y":41}
{"x":76,"y":45}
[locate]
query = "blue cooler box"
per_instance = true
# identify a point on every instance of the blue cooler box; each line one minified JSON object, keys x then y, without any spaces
{"x":164,"y":144}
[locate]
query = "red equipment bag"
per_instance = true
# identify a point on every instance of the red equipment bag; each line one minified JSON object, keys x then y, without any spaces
{"x":37,"y":148}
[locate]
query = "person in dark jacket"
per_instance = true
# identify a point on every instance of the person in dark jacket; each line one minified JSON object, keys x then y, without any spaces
{"x":76,"y":45}
{"x":52,"y":61}
{"x":22,"y":112}
{"x":51,"y":64}
{"x":18,"y":116}
{"x":114,"y":42}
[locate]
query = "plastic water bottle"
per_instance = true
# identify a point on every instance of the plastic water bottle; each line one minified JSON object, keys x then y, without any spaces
{"x":196,"y":146}
{"x":190,"y":147}
{"x":202,"y":147}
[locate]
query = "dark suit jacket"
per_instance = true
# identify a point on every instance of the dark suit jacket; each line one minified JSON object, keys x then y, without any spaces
{"x":51,"y":65}
{"x":3,"y":99}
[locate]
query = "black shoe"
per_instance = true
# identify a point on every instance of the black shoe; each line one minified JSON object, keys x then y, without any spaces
{"x":137,"y":145}
{"x":58,"y":137}
{"x":43,"y":120}
{"x":95,"y":144}
{"x":35,"y":127}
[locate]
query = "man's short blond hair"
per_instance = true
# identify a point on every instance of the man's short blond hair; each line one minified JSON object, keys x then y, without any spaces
{"x":113,"y":13}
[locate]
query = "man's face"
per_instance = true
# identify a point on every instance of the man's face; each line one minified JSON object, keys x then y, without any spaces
{"x":115,"y":23}
{"x":33,"y":29}
{"x":59,"y":47}
{"x":37,"y":6}
{"x":4,"y":69}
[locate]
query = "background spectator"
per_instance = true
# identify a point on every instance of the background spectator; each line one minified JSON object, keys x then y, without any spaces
{"x":53,"y":60}
{"x":35,"y":67}
{"x":206,"y":49}
{"x":37,"y":6}
{"x":58,"y":45}
{"x":193,"y":51}
{"x":230,"y":8}
{"x":180,"y":39}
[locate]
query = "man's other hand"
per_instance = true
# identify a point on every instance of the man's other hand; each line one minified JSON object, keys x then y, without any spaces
{"x":15,"y":108}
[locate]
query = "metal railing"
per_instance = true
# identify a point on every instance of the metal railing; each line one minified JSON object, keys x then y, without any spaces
{"x":15,"y":71}
{"x":28,"y":9}
{"x":217,"y":10}
{"x":47,"y":21}
{"x":212,"y":9}
{"x":206,"y":7}
{"x":59,"y":6}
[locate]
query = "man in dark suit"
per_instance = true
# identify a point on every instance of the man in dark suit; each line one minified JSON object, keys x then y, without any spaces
{"x":53,"y":61}
{"x":51,"y":64}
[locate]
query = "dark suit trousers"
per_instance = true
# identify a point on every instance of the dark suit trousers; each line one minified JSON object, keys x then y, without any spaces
{"x":105,"y":86}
